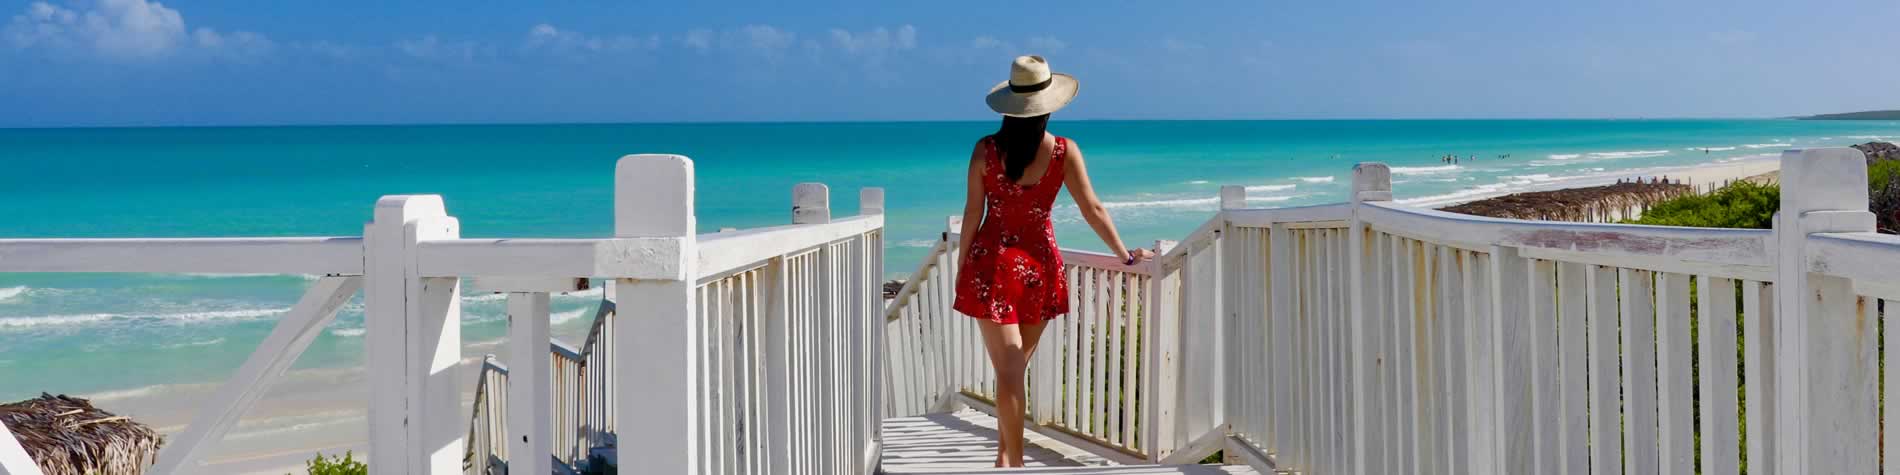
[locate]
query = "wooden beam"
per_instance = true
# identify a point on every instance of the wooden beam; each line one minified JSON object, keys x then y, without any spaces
{"x":297,"y":255}
{"x":13,"y":458}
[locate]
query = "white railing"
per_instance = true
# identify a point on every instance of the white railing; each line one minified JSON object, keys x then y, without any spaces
{"x":712,"y":315}
{"x":579,"y":395}
{"x":1089,"y":381}
{"x":1370,"y":337}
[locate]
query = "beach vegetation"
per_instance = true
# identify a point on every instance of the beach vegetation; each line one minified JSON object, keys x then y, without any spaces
{"x":1742,"y":204}
{"x":335,"y":465}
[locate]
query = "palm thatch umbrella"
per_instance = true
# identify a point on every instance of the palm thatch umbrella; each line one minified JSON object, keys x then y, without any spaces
{"x":67,"y":435}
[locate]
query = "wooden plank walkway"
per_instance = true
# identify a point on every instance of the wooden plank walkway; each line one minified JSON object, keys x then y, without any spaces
{"x":965,"y":442}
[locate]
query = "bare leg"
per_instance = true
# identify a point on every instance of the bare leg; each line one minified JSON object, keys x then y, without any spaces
{"x":1009,"y":348}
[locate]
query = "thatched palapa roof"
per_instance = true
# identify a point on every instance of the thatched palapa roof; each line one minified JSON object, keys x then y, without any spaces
{"x":68,"y":436}
{"x":1594,"y":204}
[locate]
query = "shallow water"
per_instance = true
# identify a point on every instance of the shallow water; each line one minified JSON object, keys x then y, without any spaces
{"x":124,"y":335}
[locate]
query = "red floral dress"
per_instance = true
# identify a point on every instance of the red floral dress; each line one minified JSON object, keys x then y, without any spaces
{"x":1013,"y":273}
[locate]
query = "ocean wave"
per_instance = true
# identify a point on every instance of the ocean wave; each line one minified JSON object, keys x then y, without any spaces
{"x":1628,"y":154}
{"x":1768,"y":145}
{"x":1265,"y":188}
{"x":1709,"y":149}
{"x":280,"y":426}
{"x":1424,"y":170}
{"x":1457,"y":196}
{"x":558,"y":318}
{"x":1197,"y":182}
{"x":183,"y":317}
{"x":1168,"y":203}
{"x":917,"y":243}
{"x":1564,"y":156}
{"x":349,"y":332}
{"x":1315,"y":179}
{"x":7,"y":294}
{"x":189,"y":344}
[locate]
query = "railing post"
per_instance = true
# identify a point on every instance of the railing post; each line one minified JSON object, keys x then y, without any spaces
{"x":1827,"y":374}
{"x":658,"y":398}
{"x":1371,"y":181}
{"x":871,"y":327}
{"x":530,"y":384}
{"x":811,"y":203}
{"x":1226,"y":265}
{"x":414,"y":339}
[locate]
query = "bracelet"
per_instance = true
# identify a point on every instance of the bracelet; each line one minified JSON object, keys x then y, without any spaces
{"x":1130,"y":261}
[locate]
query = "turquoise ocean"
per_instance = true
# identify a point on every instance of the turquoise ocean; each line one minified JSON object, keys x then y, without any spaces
{"x":126,"y":336}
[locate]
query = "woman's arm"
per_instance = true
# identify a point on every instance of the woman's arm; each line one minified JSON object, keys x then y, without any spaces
{"x":972,"y":202}
{"x":1075,"y":176}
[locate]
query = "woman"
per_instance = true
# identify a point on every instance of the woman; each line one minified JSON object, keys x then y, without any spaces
{"x":1012,"y":279}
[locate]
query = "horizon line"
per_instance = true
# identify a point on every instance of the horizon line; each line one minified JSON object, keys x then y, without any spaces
{"x":815,"y":122}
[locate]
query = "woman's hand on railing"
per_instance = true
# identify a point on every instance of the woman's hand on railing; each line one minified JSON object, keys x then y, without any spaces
{"x":1136,"y":256}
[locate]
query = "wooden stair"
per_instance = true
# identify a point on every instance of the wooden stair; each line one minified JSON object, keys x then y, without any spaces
{"x":964,"y":442}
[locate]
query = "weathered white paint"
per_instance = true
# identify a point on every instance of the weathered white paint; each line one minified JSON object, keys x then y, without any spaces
{"x":288,"y":340}
{"x":295,"y":255}
{"x":14,"y":459}
{"x":653,"y":198}
{"x":1721,"y":433}
{"x":1826,"y":372}
{"x":1675,"y":411}
{"x":415,"y":424}
{"x":530,"y":386}
{"x":1370,"y":183}
{"x":551,"y":258}
{"x":1606,"y":436}
{"x":1639,"y":368}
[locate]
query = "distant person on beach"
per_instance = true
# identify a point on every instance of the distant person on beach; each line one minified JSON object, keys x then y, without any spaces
{"x":1011,"y":279}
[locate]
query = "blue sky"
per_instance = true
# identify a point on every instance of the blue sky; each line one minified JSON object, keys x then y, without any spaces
{"x":232,"y":62}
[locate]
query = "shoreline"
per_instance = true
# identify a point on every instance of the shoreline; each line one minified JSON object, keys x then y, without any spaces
{"x":1700,"y":176}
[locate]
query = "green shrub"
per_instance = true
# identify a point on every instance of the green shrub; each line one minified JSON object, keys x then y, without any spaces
{"x":334,"y":465}
{"x":1880,"y":173}
{"x":1739,"y":205}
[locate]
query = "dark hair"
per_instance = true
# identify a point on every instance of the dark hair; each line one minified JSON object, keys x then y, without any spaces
{"x":1018,"y":140}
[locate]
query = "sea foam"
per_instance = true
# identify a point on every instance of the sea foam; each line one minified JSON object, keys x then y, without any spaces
{"x":93,"y":318}
{"x":7,"y":294}
{"x":1424,"y":170}
{"x":1315,"y":179}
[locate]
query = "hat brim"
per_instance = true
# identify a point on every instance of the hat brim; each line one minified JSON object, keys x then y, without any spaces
{"x":1061,"y":90}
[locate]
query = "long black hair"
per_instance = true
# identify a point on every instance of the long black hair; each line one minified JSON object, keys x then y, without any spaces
{"x":1018,"y":140}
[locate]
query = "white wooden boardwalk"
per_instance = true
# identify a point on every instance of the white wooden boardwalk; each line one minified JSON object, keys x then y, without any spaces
{"x":965,"y":442}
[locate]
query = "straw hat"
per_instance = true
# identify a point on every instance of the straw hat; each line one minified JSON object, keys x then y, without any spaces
{"x":1031,"y":89}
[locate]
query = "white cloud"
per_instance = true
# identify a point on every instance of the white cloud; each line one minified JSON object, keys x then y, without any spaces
{"x":237,"y":43}
{"x":765,"y":38}
{"x":547,"y":37}
{"x":435,"y":49}
{"x":1047,"y":45}
{"x":987,"y":42}
{"x":699,"y":39}
{"x":121,"y":29}
{"x":877,"y":41}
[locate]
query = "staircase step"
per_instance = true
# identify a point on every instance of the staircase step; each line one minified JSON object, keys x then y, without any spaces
{"x":965,"y":442}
